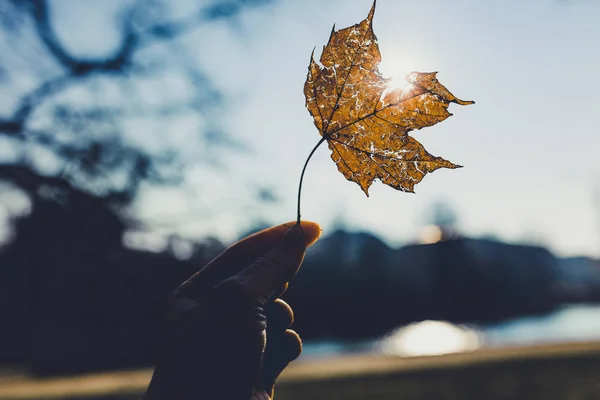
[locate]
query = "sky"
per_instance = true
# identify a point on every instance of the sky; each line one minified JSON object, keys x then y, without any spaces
{"x":529,"y":146}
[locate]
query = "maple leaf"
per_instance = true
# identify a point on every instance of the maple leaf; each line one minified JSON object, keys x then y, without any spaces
{"x":366,"y":122}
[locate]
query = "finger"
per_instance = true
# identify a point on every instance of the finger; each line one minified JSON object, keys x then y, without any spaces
{"x":282,"y":348}
{"x":280,"y":316}
{"x":240,"y":255}
{"x":270,"y":272}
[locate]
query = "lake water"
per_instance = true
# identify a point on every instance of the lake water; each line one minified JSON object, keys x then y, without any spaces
{"x":573,"y":323}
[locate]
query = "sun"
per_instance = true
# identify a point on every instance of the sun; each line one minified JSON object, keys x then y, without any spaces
{"x":396,"y":71}
{"x":397,"y":83}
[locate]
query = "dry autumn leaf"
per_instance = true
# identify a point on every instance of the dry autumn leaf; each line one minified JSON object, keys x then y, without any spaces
{"x":365,"y":121}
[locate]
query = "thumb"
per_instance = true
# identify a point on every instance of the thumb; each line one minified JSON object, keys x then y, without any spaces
{"x":269,"y":273}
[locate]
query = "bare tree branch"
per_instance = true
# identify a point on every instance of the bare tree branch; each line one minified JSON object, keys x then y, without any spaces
{"x":94,"y":148}
{"x":77,"y":67}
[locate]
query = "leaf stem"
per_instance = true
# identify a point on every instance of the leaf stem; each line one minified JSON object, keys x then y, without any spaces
{"x":302,"y":175}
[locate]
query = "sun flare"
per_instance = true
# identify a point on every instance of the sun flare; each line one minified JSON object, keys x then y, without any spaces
{"x":399,"y":83}
{"x":396,"y":72}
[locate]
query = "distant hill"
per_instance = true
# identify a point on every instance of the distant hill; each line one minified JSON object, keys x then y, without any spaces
{"x":578,"y":279}
{"x":353,"y":285}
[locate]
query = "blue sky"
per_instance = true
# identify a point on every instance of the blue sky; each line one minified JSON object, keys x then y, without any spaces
{"x":529,"y":146}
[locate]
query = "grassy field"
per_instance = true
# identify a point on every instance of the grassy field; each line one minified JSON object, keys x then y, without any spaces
{"x":561,"y":372}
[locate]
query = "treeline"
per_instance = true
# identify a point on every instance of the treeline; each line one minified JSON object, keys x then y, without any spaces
{"x":73,"y":298}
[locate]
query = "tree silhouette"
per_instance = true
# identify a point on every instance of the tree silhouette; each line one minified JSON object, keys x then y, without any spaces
{"x":99,"y":122}
{"x":80,"y":133}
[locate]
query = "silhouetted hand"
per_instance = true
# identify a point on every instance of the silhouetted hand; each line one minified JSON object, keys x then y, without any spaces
{"x":226,"y":333}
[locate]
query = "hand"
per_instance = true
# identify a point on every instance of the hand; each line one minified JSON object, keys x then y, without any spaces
{"x":226,"y":333}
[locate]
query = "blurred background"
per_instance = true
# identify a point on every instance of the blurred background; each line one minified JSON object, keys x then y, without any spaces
{"x":139,"y":138}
